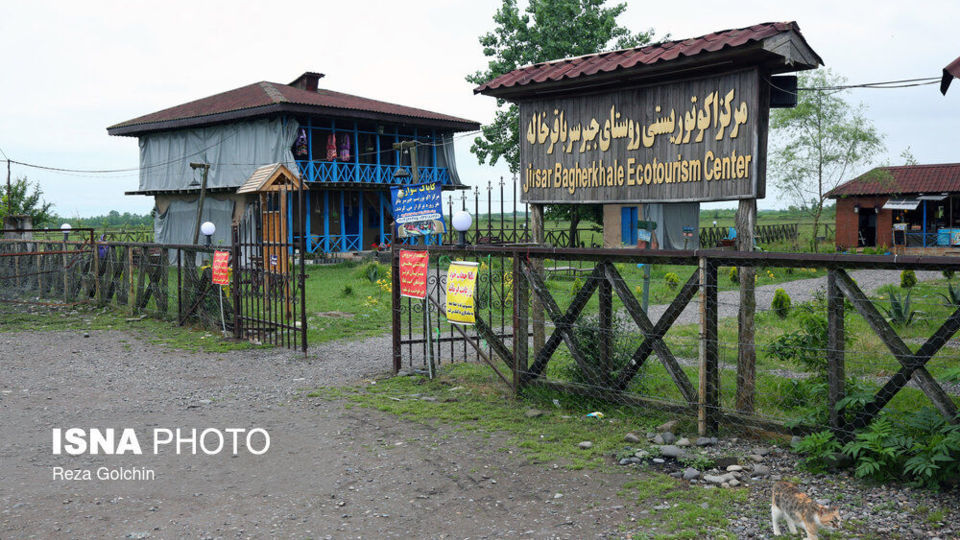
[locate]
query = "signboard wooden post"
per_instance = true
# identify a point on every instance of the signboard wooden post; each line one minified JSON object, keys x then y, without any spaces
{"x":680,"y":121}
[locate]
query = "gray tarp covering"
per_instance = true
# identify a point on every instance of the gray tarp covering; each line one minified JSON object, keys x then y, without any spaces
{"x":671,"y":218}
{"x":233,"y":151}
{"x":446,"y":158}
{"x":176,"y":224}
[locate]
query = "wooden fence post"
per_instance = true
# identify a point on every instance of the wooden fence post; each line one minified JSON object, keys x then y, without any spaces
{"x":163,"y":294}
{"x":835,"y":348}
{"x":131,"y":286}
{"x":96,"y":272}
{"x":521,"y":318}
{"x":536,"y":266}
{"x":746,"y":330}
{"x":605,"y":295}
{"x":709,"y":391}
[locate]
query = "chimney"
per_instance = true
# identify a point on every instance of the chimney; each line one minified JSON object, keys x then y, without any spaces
{"x":307,"y":81}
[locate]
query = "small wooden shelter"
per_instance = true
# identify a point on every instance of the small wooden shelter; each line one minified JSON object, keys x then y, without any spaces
{"x":274,"y":186}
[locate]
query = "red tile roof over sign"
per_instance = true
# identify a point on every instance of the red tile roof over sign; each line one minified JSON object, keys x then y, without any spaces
{"x":906,"y":179}
{"x":267,"y":97}
{"x":592,"y":64}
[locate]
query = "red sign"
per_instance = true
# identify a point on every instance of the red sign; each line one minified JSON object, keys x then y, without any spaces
{"x":221,"y":268}
{"x":413,"y":273}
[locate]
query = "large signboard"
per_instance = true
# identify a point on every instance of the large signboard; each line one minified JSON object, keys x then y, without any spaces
{"x":694,"y":140}
{"x":418,"y":209}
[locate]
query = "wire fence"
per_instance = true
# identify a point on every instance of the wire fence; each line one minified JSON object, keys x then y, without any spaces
{"x":166,"y":282}
{"x":833,"y":359}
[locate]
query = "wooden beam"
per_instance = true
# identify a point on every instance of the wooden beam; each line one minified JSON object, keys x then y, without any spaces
{"x":652,"y":336}
{"x":483,"y":329}
{"x":562,"y":321}
{"x":836,"y":376}
{"x":913,"y":364}
{"x":708,"y":413}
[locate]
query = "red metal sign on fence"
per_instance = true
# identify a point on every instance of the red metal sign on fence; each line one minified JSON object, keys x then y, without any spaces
{"x":413,"y":273}
{"x":221,"y":268}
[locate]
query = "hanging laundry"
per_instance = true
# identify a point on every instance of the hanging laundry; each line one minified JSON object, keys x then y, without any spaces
{"x":300,"y":148}
{"x":331,"y":147}
{"x":344,"y":147}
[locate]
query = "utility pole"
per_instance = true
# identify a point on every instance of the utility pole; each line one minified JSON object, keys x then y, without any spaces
{"x":203,"y":194}
{"x":9,"y":190}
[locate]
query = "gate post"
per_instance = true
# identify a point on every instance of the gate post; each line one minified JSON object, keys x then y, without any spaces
{"x":521,"y":318}
{"x":235,"y":256}
{"x":708,"y":407}
{"x":395,"y":301}
{"x":835,"y":346}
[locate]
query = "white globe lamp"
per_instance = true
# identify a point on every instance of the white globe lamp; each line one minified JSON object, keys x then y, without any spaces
{"x":66,"y":230}
{"x":461,"y":223}
{"x":208,"y":229}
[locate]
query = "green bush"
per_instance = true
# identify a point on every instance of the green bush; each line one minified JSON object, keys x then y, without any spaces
{"x":919,"y":447}
{"x":781,"y":303}
{"x":819,"y":450}
{"x":347,"y":290}
{"x":589,"y":335}
{"x":576,"y":286}
{"x":908,"y":278}
{"x":948,"y":274}
{"x":672,"y":280}
{"x":734,"y":275}
{"x":372,"y":271}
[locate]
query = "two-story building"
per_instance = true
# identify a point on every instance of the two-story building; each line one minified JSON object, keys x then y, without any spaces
{"x":340,"y":145}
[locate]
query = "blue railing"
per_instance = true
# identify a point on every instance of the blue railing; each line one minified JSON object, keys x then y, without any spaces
{"x":335,"y":171}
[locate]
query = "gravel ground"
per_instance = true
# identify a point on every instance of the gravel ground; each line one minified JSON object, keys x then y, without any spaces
{"x":330,"y":470}
{"x":801,"y":290}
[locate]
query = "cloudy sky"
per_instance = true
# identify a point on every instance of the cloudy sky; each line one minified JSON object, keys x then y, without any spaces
{"x":73,"y":68}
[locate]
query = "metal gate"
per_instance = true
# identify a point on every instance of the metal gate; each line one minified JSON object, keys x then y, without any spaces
{"x":269,"y":277}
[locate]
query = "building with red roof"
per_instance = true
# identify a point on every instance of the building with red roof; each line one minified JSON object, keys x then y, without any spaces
{"x":910,"y":206}
{"x":340,"y":145}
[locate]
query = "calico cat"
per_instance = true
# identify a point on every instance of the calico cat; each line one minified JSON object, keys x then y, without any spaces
{"x":797,"y":508}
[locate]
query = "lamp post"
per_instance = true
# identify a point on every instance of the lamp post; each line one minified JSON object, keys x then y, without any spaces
{"x":66,"y":230}
{"x":208,"y":229}
{"x":203,"y":194}
{"x":461,"y":223}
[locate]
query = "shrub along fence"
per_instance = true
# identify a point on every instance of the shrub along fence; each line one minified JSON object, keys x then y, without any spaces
{"x":834,"y":361}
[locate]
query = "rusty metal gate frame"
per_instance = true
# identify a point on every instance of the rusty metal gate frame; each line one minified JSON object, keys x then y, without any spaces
{"x":269,"y":275}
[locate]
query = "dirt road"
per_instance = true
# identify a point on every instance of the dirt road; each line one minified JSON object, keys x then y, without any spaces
{"x":330,"y":471}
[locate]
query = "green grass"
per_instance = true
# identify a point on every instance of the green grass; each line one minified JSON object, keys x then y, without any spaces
{"x":467,"y":397}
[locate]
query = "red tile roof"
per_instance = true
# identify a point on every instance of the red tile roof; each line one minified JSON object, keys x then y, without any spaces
{"x":266,"y":98}
{"x":906,"y":179}
{"x":592,"y":64}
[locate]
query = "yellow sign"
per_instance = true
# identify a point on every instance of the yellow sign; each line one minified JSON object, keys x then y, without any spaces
{"x":461,"y":279}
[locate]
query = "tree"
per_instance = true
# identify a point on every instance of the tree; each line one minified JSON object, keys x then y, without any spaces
{"x":821,"y":142}
{"x":546,"y":30}
{"x":21,"y":201}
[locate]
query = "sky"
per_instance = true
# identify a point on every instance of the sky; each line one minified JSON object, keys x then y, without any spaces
{"x":73,"y":68}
